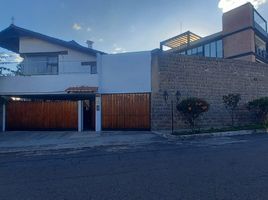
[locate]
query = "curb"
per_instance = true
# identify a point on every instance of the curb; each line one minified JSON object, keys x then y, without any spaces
{"x":168,"y":135}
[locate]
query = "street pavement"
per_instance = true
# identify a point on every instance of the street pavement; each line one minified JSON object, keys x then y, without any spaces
{"x":213,"y":168}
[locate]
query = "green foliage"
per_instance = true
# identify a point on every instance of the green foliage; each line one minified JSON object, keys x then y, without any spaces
{"x":231,"y":103}
{"x":191,"y":109}
{"x":260,"y":108}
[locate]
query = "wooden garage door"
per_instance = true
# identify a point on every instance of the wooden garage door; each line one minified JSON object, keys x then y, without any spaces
{"x":54,"y":115}
{"x":126,"y":111}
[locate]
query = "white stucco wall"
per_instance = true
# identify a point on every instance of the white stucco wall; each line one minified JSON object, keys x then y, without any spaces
{"x":70,"y":63}
{"x":46,"y":84}
{"x":117,"y":73}
{"x":125,"y":73}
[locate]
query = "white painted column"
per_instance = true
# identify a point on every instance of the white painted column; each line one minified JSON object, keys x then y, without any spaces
{"x":98,"y":112}
{"x":4,"y":118}
{"x":80,"y":116}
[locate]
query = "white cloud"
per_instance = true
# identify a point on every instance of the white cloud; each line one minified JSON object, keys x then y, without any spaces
{"x":77,"y":26}
{"x":118,"y":49}
{"x":17,"y":58}
{"x":227,"y":5}
{"x":100,"y":40}
{"x":89,"y":29}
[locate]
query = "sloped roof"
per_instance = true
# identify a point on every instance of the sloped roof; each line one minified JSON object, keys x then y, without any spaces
{"x":9,"y":39}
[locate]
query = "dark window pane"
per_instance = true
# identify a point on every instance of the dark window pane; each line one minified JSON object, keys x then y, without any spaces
{"x":194,"y":51}
{"x":189,"y":52}
{"x":93,"y":69}
{"x":207,"y":50}
{"x":219,"y":49}
{"x":200,"y":51}
{"x":213,"y":49}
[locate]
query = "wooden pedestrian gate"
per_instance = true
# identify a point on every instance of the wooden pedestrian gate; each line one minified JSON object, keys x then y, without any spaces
{"x":41,"y":115}
{"x":126,"y":112}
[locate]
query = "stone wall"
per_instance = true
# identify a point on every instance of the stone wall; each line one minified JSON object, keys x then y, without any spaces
{"x":206,"y":78}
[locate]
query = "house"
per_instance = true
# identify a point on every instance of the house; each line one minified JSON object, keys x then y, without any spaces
{"x":244,"y":36}
{"x":66,"y":86}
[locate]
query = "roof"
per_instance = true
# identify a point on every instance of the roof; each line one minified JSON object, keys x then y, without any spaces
{"x":199,"y":42}
{"x":9,"y":39}
{"x":181,"y":40}
{"x":82,"y":89}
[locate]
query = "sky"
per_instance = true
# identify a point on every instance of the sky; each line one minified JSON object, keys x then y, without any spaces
{"x":120,"y":25}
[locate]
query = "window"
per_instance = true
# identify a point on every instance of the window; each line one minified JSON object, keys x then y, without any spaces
{"x":213,"y":49}
{"x":260,"y":23}
{"x":194,"y":51}
{"x":189,"y":52}
{"x":200,"y":51}
{"x":40,"y":65}
{"x":92,"y":66}
{"x":219,"y":49}
{"x":93,"y":69}
{"x":260,"y":47}
{"x":207,"y":50}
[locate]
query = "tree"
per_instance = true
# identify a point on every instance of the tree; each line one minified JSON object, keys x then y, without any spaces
{"x":231,"y":104}
{"x":191,"y":109}
{"x":260,"y":108}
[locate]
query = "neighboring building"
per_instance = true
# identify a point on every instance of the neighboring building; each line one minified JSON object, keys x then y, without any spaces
{"x":64,"y":86}
{"x":244,"y":36}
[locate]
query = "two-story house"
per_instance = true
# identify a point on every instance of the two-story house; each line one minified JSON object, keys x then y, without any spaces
{"x":65,"y":86}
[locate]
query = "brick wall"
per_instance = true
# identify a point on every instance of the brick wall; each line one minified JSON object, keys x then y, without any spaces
{"x":206,"y":78}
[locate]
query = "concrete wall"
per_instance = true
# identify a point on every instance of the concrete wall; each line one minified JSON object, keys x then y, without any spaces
{"x":53,"y":84}
{"x":206,"y":78}
{"x":125,"y":73}
{"x":70,"y":63}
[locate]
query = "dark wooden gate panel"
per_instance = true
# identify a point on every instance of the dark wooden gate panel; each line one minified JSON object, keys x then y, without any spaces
{"x":54,"y":115}
{"x":126,"y":111}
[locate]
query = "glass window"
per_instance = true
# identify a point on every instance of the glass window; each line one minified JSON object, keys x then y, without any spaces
{"x":207,"y":50}
{"x":219,"y":49}
{"x":40,"y":65}
{"x":189,"y":52}
{"x":194,"y":51}
{"x":213,"y":49}
{"x":182,"y":53}
{"x":260,"y":23}
{"x":200,"y":51}
{"x":93,"y":69}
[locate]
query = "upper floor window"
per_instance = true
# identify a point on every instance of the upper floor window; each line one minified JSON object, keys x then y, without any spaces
{"x":40,"y":65}
{"x":214,"y":49}
{"x":260,"y":23}
{"x":260,"y":47}
{"x":92,"y":66}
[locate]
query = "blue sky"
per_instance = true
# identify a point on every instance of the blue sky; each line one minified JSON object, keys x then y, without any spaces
{"x":116,"y":25}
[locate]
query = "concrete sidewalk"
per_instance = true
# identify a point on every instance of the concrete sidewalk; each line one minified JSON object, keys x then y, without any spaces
{"x":11,"y":142}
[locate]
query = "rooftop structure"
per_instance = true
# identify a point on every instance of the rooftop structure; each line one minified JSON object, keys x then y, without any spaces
{"x":244,"y":36}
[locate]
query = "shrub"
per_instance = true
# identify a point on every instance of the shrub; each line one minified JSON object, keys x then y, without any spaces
{"x":191,"y":109}
{"x":260,"y":109}
{"x":231,"y":103}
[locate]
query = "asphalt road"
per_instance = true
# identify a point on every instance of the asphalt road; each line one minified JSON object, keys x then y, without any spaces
{"x":209,"y":168}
